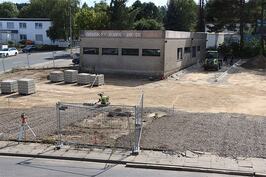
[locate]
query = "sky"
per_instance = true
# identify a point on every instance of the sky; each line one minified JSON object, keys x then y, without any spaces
{"x":91,"y":2}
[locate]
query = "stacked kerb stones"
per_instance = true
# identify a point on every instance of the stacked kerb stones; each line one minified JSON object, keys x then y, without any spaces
{"x":83,"y":79}
{"x":56,"y":76}
{"x":71,"y":76}
{"x":99,"y":80}
{"x":26,"y":86}
{"x":9,"y":86}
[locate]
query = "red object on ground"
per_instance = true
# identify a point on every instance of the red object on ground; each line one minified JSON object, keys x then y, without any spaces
{"x":23,"y":119}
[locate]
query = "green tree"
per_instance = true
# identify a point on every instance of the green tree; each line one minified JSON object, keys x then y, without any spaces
{"x":181,"y":15}
{"x":222,"y":14}
{"x":121,"y":17}
{"x":146,"y":11}
{"x":147,"y":24}
{"x":92,"y":18}
{"x":8,"y":10}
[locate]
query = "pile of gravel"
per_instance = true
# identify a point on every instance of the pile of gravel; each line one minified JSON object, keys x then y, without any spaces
{"x":258,"y":62}
{"x":227,"y":135}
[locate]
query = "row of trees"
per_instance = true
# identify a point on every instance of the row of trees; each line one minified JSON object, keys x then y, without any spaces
{"x":177,"y":15}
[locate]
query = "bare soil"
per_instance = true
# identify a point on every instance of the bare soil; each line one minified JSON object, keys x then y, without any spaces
{"x":241,"y":92}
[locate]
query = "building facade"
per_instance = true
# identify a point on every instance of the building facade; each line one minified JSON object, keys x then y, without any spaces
{"x":18,"y":29}
{"x":151,"y":53}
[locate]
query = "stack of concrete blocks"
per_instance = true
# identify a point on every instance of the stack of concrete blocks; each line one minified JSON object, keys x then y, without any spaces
{"x":26,"y":86}
{"x":9,"y":86}
{"x":97,"y":80}
{"x":83,"y":79}
{"x":70,"y":76}
{"x":56,"y":76}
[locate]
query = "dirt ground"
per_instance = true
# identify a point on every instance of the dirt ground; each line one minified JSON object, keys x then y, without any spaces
{"x":193,"y":91}
{"x":226,"y":118}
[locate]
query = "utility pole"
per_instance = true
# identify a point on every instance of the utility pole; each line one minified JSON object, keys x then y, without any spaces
{"x":70,"y":27}
{"x":201,"y":17}
{"x":262,"y":26}
{"x":241,"y":27}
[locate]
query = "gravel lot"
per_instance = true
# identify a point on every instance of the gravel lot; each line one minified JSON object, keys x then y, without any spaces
{"x":227,"y":135}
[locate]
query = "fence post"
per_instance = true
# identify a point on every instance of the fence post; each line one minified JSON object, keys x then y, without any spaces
{"x":138,"y":126}
{"x":3,"y":63}
{"x":28,"y":59}
{"x":59,"y":131}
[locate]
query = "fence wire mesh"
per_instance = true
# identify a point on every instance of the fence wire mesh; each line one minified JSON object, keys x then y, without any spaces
{"x":112,"y":126}
{"x":79,"y":124}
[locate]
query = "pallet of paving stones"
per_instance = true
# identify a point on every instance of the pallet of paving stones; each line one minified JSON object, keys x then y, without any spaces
{"x":56,"y":76}
{"x":70,"y":76}
{"x":9,"y":86}
{"x":26,"y":86}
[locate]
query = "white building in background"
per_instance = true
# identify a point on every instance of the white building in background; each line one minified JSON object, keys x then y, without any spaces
{"x":18,"y":29}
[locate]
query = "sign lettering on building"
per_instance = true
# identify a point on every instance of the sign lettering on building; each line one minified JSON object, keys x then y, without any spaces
{"x":111,"y":34}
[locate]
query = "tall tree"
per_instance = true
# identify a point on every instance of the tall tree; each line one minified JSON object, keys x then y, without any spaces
{"x":8,"y":10}
{"x":121,"y":17}
{"x":201,"y":16}
{"x":147,"y":24}
{"x":181,"y":15}
{"x":92,"y":18}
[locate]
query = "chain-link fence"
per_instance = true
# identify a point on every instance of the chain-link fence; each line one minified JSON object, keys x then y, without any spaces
{"x":111,"y":126}
{"x":75,"y":124}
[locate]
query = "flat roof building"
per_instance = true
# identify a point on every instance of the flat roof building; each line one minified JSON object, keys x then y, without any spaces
{"x":151,"y":53}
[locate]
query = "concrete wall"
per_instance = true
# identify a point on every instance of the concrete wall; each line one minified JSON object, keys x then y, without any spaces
{"x":175,"y":40}
{"x":167,"y":41}
{"x":142,"y":65}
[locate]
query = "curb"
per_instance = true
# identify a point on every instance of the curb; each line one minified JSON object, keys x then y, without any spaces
{"x":121,"y":162}
{"x":189,"y":169}
{"x":129,"y":164}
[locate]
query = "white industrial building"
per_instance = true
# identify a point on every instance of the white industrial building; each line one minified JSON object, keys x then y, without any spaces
{"x":18,"y":29}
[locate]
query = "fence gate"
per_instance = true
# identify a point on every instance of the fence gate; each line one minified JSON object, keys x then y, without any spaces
{"x":117,"y":126}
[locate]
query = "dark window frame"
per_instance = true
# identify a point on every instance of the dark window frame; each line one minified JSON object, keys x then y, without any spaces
{"x":151,"y":54}
{"x":131,"y":52}
{"x":198,"y":48}
{"x":194,"y":52}
{"x":187,"y":50}
{"x":97,"y":51}
{"x":106,"y":53}
{"x":179,"y":50}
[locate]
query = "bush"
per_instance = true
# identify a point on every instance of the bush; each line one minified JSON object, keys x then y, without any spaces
{"x":250,"y":49}
{"x":49,"y":48}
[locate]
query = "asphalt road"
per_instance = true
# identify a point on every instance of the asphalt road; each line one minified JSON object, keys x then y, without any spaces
{"x":34,"y":58}
{"x":28,"y":167}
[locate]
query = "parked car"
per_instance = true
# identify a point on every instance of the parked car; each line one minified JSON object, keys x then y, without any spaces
{"x":29,"y":48}
{"x":76,"y":58}
{"x":9,"y":52}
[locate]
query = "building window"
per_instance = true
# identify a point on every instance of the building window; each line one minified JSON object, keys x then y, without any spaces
{"x":187,"y":49}
{"x":194,"y":51}
{"x":91,"y":51}
{"x":109,"y":51}
{"x":1,"y":26}
{"x":22,"y":25}
{"x":10,"y":25}
{"x":130,"y":52}
{"x":179,"y":54}
{"x":38,"y":25}
{"x":23,"y":37}
{"x":39,"y":37}
{"x":198,"y":48}
{"x":151,"y":52}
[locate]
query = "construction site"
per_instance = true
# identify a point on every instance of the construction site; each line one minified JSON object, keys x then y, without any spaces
{"x":192,"y":110}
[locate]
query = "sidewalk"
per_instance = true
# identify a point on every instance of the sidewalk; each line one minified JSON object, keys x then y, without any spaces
{"x":189,"y":161}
